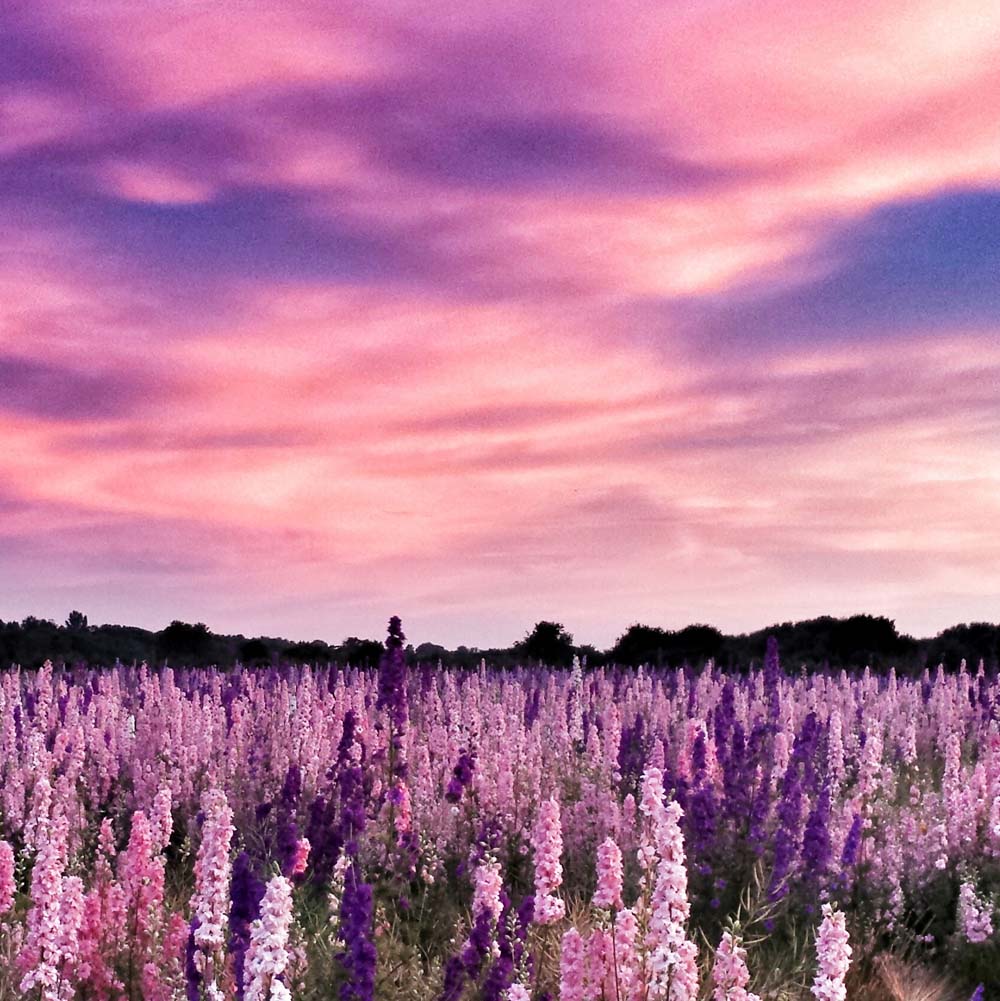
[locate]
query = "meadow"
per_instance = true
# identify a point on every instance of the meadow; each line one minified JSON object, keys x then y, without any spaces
{"x":606,"y":834}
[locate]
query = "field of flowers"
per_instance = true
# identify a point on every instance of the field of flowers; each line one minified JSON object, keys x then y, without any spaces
{"x":615,"y":834}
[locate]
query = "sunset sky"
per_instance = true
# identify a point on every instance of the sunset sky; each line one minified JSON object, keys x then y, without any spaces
{"x":480,"y":313}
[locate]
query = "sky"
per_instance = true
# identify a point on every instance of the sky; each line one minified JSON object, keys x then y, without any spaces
{"x":484,"y":313}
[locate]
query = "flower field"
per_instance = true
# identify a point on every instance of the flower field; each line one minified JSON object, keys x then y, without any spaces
{"x":328,"y":832}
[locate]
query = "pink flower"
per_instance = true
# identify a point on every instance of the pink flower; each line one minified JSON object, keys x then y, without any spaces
{"x":729,"y":972}
{"x":41,"y":955}
{"x":833,"y":954}
{"x":672,"y":958}
{"x":516,"y":992}
{"x":548,"y":845}
{"x":162,"y":821}
{"x":141,"y":875}
{"x":301,"y":858}
{"x":487,"y":885}
{"x":571,"y":967}
{"x":626,"y":937}
{"x":267,"y":958}
{"x":600,"y":964}
{"x":8,"y":887}
{"x":975,"y":916}
{"x":213,"y":871}
{"x":609,"y":875}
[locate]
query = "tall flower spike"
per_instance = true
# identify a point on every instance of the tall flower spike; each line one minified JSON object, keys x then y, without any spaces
{"x":609,"y":875}
{"x":548,"y":845}
{"x":7,"y":884}
{"x":833,"y":955}
{"x":213,"y":871}
{"x":730,"y":975}
{"x":267,"y":957}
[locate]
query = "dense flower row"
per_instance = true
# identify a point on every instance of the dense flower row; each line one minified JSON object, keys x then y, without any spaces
{"x":167,"y":834}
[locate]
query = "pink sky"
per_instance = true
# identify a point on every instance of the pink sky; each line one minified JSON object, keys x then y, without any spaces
{"x":485,"y":313}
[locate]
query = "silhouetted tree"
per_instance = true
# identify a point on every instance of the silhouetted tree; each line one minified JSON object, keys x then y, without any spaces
{"x":548,"y":643}
{"x":594,"y":657}
{"x":430,"y":652}
{"x":360,"y":653}
{"x":640,"y":644}
{"x":184,"y":642}
{"x":695,"y":644}
{"x":254,"y":651}
{"x":972,"y":642}
{"x":76,"y":622}
{"x":315,"y":652}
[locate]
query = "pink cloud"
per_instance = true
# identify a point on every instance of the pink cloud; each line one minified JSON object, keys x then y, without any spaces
{"x":324,"y":315}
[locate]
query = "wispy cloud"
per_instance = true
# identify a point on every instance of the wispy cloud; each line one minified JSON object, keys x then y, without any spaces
{"x":605,"y":313}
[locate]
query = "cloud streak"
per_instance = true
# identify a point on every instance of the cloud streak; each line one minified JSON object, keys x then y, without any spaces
{"x":665,"y":314}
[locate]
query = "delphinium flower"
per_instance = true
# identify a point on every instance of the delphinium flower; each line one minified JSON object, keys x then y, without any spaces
{"x":730,"y":975}
{"x":392,"y":693}
{"x":633,"y":753}
{"x":601,"y":971}
{"x":210,"y":902}
{"x":772,"y":678}
{"x":628,"y":972}
{"x":512,"y":927}
{"x":702,"y":809}
{"x":351,"y":783}
{"x":518,"y":992}
{"x":337,"y":818}
{"x":336,"y":891}
{"x":192,"y":976}
{"x":141,"y":877}
{"x":548,"y":845}
{"x":247,"y":892}
{"x":161,"y":818}
{"x":609,"y":875}
{"x":41,"y":955}
{"x":571,"y":967}
{"x":267,"y":958}
{"x":70,"y":919}
{"x":737,"y":779}
{"x":300,"y":857}
{"x":483,"y":940}
{"x":39,"y":817}
{"x":786,"y":838}
{"x":575,"y":698}
{"x":975,"y":915}
{"x":8,"y":885}
{"x":358,"y":956}
{"x":816,"y":849}
{"x":833,"y":957}
{"x":103,"y":923}
{"x":487,"y":886}
{"x":672,"y":956}
{"x":287,"y":838}
{"x":461,"y":776}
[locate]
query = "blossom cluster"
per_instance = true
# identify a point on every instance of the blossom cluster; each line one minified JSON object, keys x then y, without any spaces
{"x":617,"y":816}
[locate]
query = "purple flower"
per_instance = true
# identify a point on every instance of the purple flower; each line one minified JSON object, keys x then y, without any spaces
{"x":359,"y":956}
{"x":816,"y":848}
{"x":246,"y":893}
{"x":288,"y":829}
{"x":786,"y":838}
{"x":461,"y":776}
{"x":633,"y":752}
{"x":392,"y":688}
{"x":468,"y":964}
{"x":852,"y":843}
{"x":192,"y":978}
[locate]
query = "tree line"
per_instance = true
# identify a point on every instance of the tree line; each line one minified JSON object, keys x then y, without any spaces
{"x":825,"y":641}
